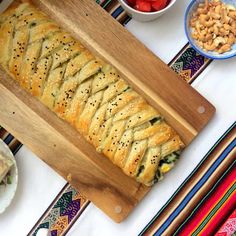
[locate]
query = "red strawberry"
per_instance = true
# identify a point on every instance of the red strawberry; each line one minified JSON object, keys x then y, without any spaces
{"x":159,"y":4}
{"x":131,"y":2}
{"x":142,"y":5}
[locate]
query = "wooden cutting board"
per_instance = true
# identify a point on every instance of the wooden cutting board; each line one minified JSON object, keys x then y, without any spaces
{"x":61,"y":146}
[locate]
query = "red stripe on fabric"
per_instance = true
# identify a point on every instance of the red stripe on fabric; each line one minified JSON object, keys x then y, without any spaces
{"x":229,"y":226}
{"x":215,"y":197}
{"x":216,"y":220}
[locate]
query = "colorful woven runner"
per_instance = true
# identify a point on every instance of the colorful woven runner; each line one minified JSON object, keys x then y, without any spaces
{"x":229,"y":227}
{"x":62,"y":213}
{"x":206,"y":198}
{"x":66,"y":208}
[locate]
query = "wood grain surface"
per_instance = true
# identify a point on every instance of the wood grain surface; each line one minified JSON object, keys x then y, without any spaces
{"x":61,"y":146}
{"x":148,"y":75}
{"x":66,"y":151}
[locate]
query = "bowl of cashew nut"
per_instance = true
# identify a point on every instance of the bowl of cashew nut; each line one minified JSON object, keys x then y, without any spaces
{"x":210,"y":26}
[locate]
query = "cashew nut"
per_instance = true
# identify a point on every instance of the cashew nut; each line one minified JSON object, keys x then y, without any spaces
{"x":210,"y":47}
{"x":231,"y":39}
{"x":218,"y":9}
{"x":214,"y":26}
{"x":224,"y":48}
{"x":232,"y":14}
{"x":219,"y":41}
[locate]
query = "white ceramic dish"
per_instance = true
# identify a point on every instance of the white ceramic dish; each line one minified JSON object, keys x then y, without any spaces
{"x":144,"y":16}
{"x":7,"y":192}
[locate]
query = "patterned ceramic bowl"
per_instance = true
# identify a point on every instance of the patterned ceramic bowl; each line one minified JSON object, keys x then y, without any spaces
{"x":145,"y":16}
{"x":209,"y":54}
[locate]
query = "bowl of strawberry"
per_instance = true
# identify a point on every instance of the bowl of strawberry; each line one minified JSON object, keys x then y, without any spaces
{"x":146,"y":10}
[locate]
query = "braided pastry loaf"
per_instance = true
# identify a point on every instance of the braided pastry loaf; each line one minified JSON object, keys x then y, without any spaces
{"x":88,"y":93}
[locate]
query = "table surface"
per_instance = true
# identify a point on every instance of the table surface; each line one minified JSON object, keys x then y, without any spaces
{"x":39,"y":185}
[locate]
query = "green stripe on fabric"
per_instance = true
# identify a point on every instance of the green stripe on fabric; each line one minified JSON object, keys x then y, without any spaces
{"x":127,"y":20}
{"x":107,"y":2}
{"x":187,"y":179}
{"x":199,"y":204}
{"x":214,"y":210}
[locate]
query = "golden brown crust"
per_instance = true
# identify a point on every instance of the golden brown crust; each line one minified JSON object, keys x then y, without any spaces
{"x":42,"y":30}
{"x":120,"y":102}
{"x":113,"y":90}
{"x":78,"y":103}
{"x":172,"y":145}
{"x":151,"y":161}
{"x":29,"y":17}
{"x":96,"y":126}
{"x":110,"y":144}
{"x":66,"y":53}
{"x":39,"y":76}
{"x":52,"y":87}
{"x":19,"y":43}
{"x":54,"y":42}
{"x":78,"y":62}
{"x":86,"y":116}
{"x":124,"y":148}
{"x":87,"y":92}
{"x":135,"y":156}
{"x":104,"y":78}
{"x":28,"y":64}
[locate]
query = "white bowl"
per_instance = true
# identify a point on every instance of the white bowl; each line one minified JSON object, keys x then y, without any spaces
{"x":144,"y":16}
{"x":8,"y":192}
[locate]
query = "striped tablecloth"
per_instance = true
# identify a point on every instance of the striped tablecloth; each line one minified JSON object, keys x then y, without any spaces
{"x":201,"y":200}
